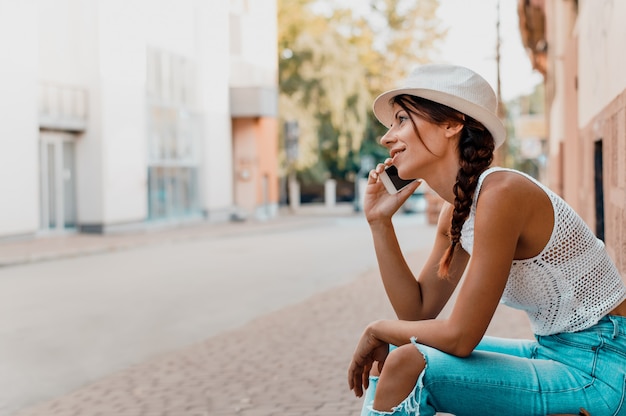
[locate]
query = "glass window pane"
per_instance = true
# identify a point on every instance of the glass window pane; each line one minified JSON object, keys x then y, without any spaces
{"x":173,"y":134}
{"x":69,"y":185}
{"x":52,"y":214}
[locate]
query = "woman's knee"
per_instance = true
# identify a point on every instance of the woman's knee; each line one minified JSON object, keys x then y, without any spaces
{"x":399,"y":377}
{"x":405,"y":358}
{"x":406,"y":355}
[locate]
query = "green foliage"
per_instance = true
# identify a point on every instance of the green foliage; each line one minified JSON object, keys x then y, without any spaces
{"x":334,"y":61}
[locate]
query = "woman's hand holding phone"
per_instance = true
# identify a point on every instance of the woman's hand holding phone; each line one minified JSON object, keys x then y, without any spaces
{"x":380,"y":202}
{"x":392,"y":181}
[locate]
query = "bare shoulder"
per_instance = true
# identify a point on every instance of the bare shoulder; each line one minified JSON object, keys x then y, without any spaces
{"x":511,"y":205}
{"x":507,"y":189}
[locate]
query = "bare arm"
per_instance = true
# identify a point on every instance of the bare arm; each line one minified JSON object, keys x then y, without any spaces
{"x":422,"y":298}
{"x":506,"y":227}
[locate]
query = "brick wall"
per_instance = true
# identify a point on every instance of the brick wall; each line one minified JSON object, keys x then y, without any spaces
{"x":610,"y":127}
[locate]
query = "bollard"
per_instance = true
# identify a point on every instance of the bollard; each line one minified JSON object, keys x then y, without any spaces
{"x":330,"y":193}
{"x":294,"y":194}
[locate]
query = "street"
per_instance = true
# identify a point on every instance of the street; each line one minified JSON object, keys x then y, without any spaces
{"x":70,"y":322}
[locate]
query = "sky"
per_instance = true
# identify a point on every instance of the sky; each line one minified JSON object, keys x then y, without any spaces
{"x":472,"y":38}
{"x":471,"y":42}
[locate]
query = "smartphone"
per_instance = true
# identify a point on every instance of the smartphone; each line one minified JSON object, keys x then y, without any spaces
{"x":393,"y":183}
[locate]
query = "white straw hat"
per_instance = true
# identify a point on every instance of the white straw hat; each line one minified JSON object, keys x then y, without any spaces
{"x":455,"y":86}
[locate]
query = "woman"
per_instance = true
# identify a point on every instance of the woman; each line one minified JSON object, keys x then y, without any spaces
{"x":513,"y":241}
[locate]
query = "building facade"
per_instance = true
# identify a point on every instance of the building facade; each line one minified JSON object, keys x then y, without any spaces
{"x":118,"y":114}
{"x":577,"y":45}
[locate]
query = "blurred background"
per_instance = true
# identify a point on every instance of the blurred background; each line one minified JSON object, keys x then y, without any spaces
{"x":140,"y":112}
{"x":119,"y":117}
{"x":123,"y":115}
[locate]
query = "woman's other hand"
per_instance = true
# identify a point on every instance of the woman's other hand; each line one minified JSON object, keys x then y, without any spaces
{"x":369,"y":350}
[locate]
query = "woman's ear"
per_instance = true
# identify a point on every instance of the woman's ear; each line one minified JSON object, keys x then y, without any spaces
{"x":453,"y":128}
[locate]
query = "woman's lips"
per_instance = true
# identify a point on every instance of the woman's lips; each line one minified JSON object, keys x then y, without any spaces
{"x":394,"y":155}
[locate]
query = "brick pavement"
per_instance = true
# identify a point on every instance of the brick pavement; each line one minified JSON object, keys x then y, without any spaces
{"x":290,"y":362}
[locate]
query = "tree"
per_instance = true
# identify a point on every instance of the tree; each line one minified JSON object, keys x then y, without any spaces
{"x":334,"y":60}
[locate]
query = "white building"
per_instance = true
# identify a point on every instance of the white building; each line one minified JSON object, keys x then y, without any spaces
{"x":117,"y":113}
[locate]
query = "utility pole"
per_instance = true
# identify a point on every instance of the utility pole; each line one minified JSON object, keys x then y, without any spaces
{"x":498,"y":57}
{"x":501,"y":153}
{"x":500,"y":156}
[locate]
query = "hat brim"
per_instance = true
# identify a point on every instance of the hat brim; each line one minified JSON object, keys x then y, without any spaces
{"x":383,"y":109}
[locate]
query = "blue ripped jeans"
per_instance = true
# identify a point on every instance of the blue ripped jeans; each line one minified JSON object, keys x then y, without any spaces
{"x":554,"y":374}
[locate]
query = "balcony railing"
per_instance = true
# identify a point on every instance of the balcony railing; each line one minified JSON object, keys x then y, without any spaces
{"x":62,"y":107}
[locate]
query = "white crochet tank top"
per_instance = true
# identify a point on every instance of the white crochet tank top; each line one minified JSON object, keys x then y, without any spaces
{"x":567,"y":287}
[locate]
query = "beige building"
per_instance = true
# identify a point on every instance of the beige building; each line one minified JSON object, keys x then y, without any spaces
{"x":117,"y":114}
{"x":578,"y":46}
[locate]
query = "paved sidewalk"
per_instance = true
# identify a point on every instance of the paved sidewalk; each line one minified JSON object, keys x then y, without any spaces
{"x":291,"y":362}
{"x":44,"y":248}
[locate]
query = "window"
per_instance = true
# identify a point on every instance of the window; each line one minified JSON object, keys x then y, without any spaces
{"x":173,"y":136}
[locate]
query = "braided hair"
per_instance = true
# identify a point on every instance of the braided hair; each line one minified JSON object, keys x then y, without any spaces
{"x":476,"y":147}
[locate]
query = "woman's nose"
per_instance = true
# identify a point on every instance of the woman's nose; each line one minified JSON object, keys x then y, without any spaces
{"x":387,"y":139}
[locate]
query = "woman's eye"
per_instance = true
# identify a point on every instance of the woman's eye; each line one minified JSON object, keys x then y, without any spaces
{"x":402,"y":119}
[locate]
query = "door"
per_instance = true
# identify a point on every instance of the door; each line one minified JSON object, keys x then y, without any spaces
{"x":57,"y":181}
{"x":599,"y":188}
